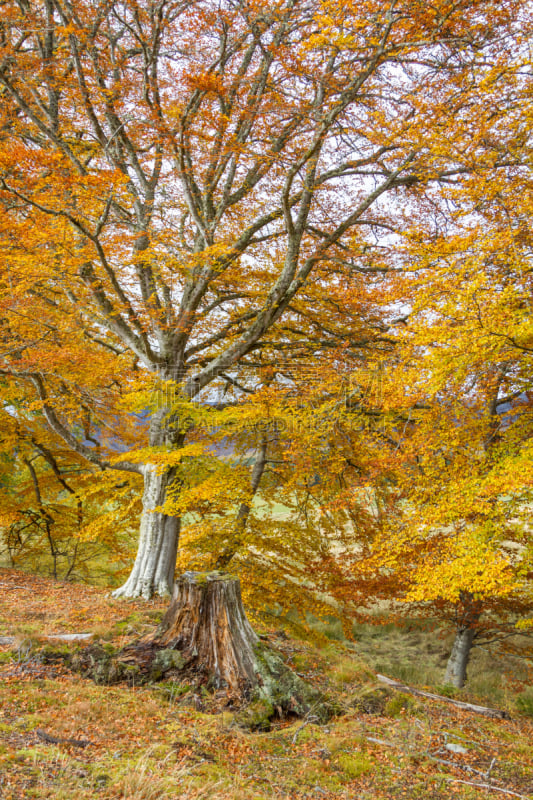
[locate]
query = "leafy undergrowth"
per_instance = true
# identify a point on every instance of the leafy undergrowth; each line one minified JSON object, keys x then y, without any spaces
{"x":62,"y":736}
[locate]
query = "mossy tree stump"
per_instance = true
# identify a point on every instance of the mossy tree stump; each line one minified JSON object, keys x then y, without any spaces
{"x":205,"y":636}
{"x":207,"y":624}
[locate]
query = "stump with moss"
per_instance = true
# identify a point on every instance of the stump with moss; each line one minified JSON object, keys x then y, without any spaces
{"x":205,"y":640}
{"x":206,"y":623}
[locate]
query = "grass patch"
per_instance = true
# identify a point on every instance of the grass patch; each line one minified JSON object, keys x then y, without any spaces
{"x":354,"y":765}
{"x":524,"y":702}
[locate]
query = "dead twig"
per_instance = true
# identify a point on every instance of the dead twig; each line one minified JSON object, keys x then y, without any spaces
{"x":491,"y":766}
{"x":311,"y":718}
{"x":491,"y":786}
{"x":51,"y":739}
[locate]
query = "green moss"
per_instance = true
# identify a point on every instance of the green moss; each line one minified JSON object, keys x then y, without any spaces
{"x":164,"y":661}
{"x":317,"y":773}
{"x":53,"y":654}
{"x":130,"y":624}
{"x":398,"y":703}
{"x":202,"y":578}
{"x":354,"y":764}
{"x":256,"y":716}
{"x":285,"y":691}
{"x":311,"y":733}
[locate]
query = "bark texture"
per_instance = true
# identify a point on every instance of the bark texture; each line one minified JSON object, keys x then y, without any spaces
{"x":153,"y":570}
{"x":207,"y":624}
{"x":468,"y":614}
{"x":155,"y":563}
{"x":459,"y":657}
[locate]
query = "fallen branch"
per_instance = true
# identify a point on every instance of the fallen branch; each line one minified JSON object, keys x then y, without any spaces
{"x":312,"y":718}
{"x":495,"y":713}
{"x":50,"y":739}
{"x":487,"y":786}
{"x":61,"y":637}
{"x":380,"y":741}
{"x":13,"y":586}
{"x":431,"y":757}
{"x":465,"y":767}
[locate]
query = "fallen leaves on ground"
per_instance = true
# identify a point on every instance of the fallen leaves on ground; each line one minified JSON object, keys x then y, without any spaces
{"x":161,"y":741}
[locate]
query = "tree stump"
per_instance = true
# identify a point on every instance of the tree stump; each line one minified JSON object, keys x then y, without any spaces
{"x":207,"y":624}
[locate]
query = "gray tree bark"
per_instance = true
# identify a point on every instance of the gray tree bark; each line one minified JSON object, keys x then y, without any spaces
{"x":153,"y":570}
{"x":469,"y":611}
{"x":459,"y":657}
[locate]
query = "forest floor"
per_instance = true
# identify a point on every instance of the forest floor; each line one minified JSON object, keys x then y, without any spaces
{"x":63,"y":736}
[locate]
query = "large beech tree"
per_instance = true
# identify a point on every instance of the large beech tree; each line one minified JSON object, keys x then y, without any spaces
{"x":175,"y":175}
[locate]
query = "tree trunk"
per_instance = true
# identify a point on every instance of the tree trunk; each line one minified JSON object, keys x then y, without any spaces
{"x":459,"y":657}
{"x":207,"y":624}
{"x":155,"y":563}
{"x":468,"y":614}
{"x":153,"y":570}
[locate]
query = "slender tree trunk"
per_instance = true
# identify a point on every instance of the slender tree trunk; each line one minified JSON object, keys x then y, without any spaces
{"x":244,"y":510}
{"x":459,"y":657}
{"x":469,"y":612}
{"x":153,"y":570}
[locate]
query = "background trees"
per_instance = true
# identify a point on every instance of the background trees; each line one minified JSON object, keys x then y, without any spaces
{"x":58,"y":515}
{"x":460,"y":540}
